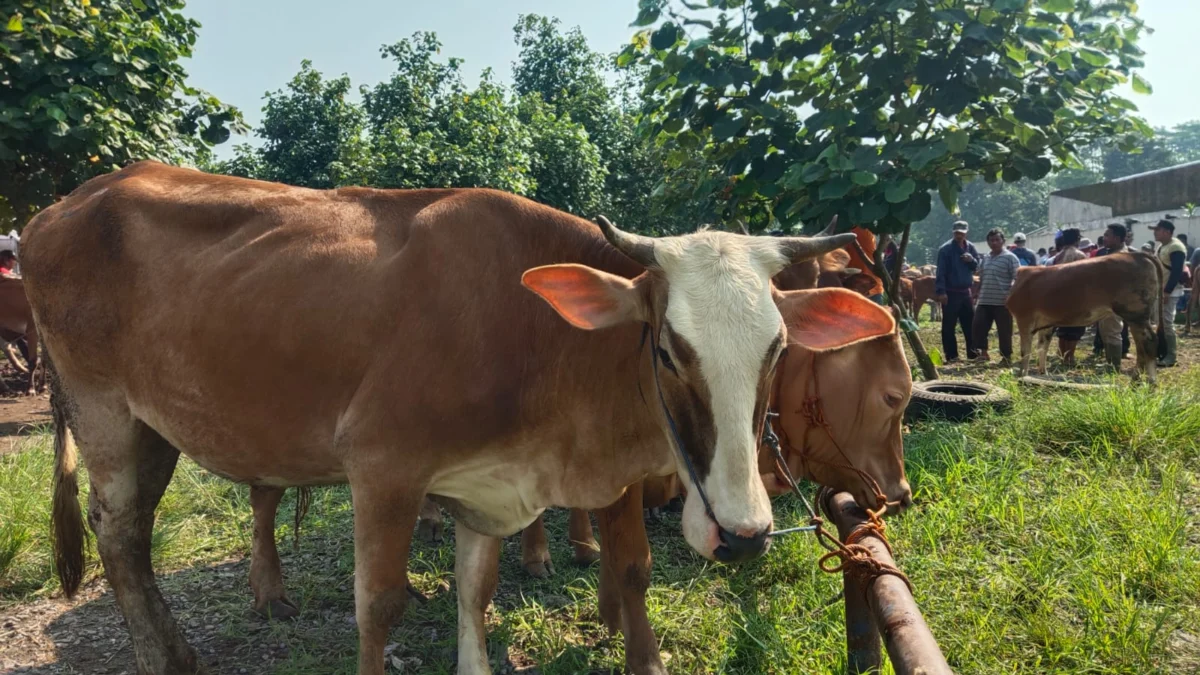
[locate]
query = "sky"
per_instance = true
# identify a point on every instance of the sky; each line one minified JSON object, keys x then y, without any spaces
{"x":248,"y":47}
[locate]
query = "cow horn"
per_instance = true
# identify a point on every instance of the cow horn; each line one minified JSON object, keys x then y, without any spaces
{"x":799,"y":249}
{"x":829,"y":229}
{"x":640,"y":248}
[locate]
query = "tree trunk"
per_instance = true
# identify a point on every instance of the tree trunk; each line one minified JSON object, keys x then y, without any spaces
{"x":891,"y":284}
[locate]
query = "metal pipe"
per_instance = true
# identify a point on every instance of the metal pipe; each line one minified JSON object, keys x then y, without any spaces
{"x":910,"y":644}
{"x":862,"y":637}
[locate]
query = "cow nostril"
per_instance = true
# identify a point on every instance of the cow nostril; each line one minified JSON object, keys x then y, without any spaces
{"x":735,"y":548}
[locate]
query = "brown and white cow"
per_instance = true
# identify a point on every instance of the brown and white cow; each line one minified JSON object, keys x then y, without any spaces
{"x":439,"y":373}
{"x":1127,"y":284}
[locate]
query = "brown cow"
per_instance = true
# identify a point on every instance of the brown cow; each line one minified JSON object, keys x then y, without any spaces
{"x":16,"y":321}
{"x":1127,"y":284}
{"x":440,"y":374}
{"x":924,"y":290}
{"x":831,"y":270}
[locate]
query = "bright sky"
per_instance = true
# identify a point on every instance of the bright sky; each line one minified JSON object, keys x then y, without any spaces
{"x":247,"y":47}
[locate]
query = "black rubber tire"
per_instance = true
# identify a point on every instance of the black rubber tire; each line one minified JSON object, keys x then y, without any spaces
{"x":954,"y":400}
{"x":1035,"y":381}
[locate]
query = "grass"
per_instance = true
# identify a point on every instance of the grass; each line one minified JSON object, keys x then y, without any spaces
{"x":1061,"y":537}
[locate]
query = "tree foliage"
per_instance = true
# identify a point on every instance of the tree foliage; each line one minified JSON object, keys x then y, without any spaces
{"x":90,"y":86}
{"x":864,"y":108}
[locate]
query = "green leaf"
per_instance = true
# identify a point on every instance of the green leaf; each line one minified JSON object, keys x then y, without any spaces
{"x":697,"y":44}
{"x":948,"y":195}
{"x":15,"y":24}
{"x":1141,"y":86}
{"x":1009,"y":5}
{"x":665,"y":36}
{"x":813,"y":172}
{"x":645,"y":17}
{"x":935,"y":355}
{"x":56,"y":112}
{"x":1093,"y":57}
{"x":1057,"y":5}
{"x":909,"y":326}
{"x":105,"y":68}
{"x":928,"y":154}
{"x":899,"y":191}
{"x":63,"y":53}
{"x":727,"y":127}
{"x":835,"y":188}
{"x":957,"y":140}
{"x":864,"y":178}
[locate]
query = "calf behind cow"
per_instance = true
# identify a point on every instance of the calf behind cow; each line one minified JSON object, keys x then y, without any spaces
{"x":1081,"y":293}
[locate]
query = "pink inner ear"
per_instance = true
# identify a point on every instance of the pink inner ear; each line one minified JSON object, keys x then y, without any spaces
{"x":831,"y":318}
{"x":586,"y":298}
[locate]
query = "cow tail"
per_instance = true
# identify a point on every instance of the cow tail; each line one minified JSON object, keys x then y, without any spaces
{"x":303,"y":501}
{"x":1160,"y":333}
{"x":66,"y":520}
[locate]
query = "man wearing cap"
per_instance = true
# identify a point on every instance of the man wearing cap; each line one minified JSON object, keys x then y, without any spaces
{"x":956,"y":263}
{"x":1172,"y":254}
{"x":1023,"y":254}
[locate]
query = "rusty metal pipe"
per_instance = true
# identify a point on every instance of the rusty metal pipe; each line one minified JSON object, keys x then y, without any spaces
{"x":862,"y":637}
{"x":910,"y":644}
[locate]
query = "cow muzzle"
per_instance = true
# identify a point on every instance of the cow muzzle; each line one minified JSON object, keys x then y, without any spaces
{"x":715,"y":541}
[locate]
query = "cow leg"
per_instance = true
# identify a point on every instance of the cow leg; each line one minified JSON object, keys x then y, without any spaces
{"x":476,"y":571}
{"x":130,"y":467}
{"x":587,"y":551}
{"x":266,"y":573}
{"x":384,"y":517}
{"x":430,"y":524}
{"x":626,"y":555}
{"x":1044,"y":339}
{"x":535,"y":552}
{"x":1146,"y":342}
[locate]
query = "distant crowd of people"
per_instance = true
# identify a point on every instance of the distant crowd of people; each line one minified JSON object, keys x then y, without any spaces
{"x":977,"y":310}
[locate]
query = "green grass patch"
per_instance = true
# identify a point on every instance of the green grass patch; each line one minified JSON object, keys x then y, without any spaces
{"x":1060,"y":537}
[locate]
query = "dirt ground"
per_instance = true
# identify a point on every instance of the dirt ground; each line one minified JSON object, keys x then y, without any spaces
{"x":19,"y":414}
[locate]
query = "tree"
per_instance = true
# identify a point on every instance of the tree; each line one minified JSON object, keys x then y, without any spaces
{"x":313,"y":134}
{"x":565,"y":165}
{"x":863,"y":108}
{"x":428,"y":130}
{"x":907,"y":99}
{"x":1150,"y":155}
{"x":1012,"y":207}
{"x":1183,"y":141}
{"x":91,"y":86}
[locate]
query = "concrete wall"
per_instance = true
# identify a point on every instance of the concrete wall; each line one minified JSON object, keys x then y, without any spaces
{"x":1067,"y":210}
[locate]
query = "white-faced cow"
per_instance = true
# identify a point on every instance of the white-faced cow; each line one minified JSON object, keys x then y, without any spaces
{"x":185,"y":312}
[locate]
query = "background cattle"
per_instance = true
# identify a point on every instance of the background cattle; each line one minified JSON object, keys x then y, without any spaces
{"x":17,"y":326}
{"x":1081,"y":293}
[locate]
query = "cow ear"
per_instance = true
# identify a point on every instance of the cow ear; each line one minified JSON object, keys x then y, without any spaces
{"x":832,"y":318}
{"x":585,"y":297}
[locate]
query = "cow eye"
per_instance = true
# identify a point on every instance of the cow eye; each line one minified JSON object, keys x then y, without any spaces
{"x":893,"y":399}
{"x":665,"y":358}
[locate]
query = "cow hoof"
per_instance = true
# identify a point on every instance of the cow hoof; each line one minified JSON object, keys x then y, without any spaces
{"x":539,"y":569}
{"x":280,"y":609}
{"x":429,"y":531}
{"x":586,"y":556}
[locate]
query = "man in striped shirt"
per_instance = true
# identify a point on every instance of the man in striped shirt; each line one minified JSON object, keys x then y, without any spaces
{"x":997,"y":272}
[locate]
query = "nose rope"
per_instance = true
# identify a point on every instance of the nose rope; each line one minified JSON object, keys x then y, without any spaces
{"x":850,"y":557}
